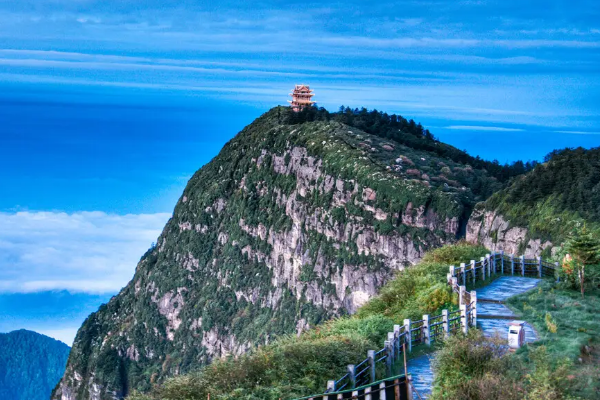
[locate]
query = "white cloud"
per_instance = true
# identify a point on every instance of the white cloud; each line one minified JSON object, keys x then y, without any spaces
{"x":90,"y":252}
{"x":483,"y":128}
{"x":579,"y":132}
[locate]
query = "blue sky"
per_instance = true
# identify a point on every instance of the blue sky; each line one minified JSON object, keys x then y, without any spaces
{"x":108,"y":107}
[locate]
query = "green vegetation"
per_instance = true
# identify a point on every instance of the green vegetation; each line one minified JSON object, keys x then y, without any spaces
{"x":556,"y":197}
{"x":569,"y":328}
{"x":582,"y":259}
{"x":561,"y":364}
{"x":30,"y":365}
{"x":295,"y":366}
{"x":421,"y":289}
{"x":413,"y":135}
{"x":473,"y":367}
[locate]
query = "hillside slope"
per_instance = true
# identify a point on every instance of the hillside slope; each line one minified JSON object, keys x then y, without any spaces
{"x":294,"y":222}
{"x":537,"y":211}
{"x":30,"y":365}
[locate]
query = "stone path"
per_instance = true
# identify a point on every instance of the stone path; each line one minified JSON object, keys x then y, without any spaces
{"x":505,"y":287}
{"x":492,"y":318}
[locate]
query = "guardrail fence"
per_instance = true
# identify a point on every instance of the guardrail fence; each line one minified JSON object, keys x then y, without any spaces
{"x":359,"y":382}
{"x":500,"y":263}
{"x":392,"y":388}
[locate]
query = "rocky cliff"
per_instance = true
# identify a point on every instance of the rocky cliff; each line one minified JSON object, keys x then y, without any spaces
{"x":291,"y":224}
{"x":536,"y":212}
{"x":493,"y":230}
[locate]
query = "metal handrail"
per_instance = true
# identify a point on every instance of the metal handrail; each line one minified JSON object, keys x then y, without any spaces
{"x":342,"y":378}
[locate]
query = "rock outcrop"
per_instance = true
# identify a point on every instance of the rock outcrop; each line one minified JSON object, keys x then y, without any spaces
{"x":491,"y":229}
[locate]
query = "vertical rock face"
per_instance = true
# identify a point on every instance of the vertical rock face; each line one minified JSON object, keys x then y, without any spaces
{"x":539,"y":210}
{"x":491,"y":229}
{"x":288,"y":226}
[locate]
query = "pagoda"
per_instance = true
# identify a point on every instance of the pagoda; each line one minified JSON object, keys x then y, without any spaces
{"x":301,"y":98}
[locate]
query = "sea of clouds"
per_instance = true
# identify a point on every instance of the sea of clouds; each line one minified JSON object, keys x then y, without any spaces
{"x":91,"y":252}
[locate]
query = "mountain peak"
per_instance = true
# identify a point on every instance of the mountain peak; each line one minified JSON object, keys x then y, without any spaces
{"x":299,"y":218}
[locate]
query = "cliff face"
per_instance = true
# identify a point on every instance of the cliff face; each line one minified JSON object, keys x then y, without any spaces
{"x":491,"y":229}
{"x":538,"y":210}
{"x":290,"y":225}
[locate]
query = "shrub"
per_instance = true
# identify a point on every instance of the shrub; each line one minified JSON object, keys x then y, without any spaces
{"x":473,"y":367}
{"x":550,"y":323}
{"x":421,"y":289}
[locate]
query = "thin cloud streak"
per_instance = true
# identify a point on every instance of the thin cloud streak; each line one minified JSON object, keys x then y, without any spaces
{"x":578,"y":132}
{"x":482,"y":128}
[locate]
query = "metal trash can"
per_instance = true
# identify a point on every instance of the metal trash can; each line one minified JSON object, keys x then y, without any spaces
{"x":516,"y":334}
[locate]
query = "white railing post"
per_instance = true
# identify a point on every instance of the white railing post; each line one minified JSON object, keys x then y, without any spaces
{"x":502,"y":261}
{"x":352,"y":375}
{"x":371,"y":358}
{"x":512,"y":264}
{"x":463,"y":273}
{"x":556,"y":271}
{"x":494,"y":262}
{"x":539,"y":267}
{"x":382,"y":395}
{"x":367,"y":393}
{"x":397,"y":340}
{"x":425,"y":330}
{"x":474,"y":307}
{"x":482,"y":268}
{"x":522,"y":265}
{"x":445,"y":324}
{"x":407,"y":335}
{"x":473,"y":270}
{"x":389,"y":358}
{"x":461,"y":295}
{"x":488,"y":263}
{"x":409,"y":387}
{"x":330,"y":386}
{"x":463,"y":318}
{"x":452,"y":270}
{"x":391,"y":339}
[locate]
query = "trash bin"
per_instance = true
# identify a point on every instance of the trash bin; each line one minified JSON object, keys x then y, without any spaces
{"x":516,"y":334}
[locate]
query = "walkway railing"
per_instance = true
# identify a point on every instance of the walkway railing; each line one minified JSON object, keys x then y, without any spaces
{"x":430,"y":329}
{"x":500,"y":263}
{"x":392,"y":388}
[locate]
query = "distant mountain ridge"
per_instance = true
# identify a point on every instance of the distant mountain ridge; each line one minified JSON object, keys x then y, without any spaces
{"x":30,"y":365}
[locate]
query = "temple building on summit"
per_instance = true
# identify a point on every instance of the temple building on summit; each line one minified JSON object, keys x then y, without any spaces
{"x":301,"y":97}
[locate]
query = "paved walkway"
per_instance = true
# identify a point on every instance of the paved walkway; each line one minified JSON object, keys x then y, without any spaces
{"x":492,"y":318}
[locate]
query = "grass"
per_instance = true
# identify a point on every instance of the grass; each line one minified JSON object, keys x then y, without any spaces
{"x":296,"y":366}
{"x":569,"y":328}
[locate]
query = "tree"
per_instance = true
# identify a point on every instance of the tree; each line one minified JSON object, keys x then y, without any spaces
{"x":583,"y":250}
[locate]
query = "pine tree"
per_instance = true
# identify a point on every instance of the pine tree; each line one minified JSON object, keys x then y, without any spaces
{"x":584,"y":248}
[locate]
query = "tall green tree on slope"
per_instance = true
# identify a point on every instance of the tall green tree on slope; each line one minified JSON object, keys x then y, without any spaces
{"x":583,"y":250}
